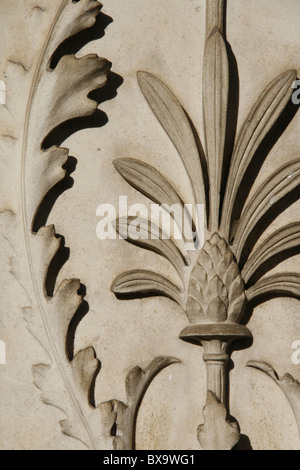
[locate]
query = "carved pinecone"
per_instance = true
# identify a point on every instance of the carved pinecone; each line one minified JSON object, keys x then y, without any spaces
{"x":216,"y":289}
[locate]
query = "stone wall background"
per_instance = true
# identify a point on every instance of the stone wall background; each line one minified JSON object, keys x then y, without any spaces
{"x":166,"y":38}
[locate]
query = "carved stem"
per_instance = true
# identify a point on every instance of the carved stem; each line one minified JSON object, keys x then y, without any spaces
{"x":215,"y":10}
{"x":216,"y":359}
{"x":216,"y":339}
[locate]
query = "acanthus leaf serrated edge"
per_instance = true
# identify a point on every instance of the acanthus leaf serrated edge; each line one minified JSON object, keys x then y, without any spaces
{"x":81,"y":372}
{"x":57,"y":93}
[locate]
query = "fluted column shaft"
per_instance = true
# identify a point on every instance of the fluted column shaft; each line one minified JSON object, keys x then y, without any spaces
{"x":216,"y":358}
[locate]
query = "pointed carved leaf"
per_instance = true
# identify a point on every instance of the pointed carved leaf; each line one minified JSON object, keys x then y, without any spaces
{"x":152,"y":184}
{"x":215,"y":101}
{"x":70,"y":391}
{"x":275,"y":286}
{"x":214,"y":15}
{"x":46,"y":245}
{"x":174,"y":120}
{"x":48,"y":380}
{"x":287,"y":383}
{"x":99,"y":419}
{"x":264,"y":367}
{"x":62,"y":308}
{"x":268,"y":194}
{"x":62,"y":92}
{"x":138,"y":380}
{"x":137,"y":383}
{"x":142,"y":233}
{"x":48,"y":173}
{"x":45,"y":380}
{"x":260,"y":121}
{"x":147,"y":180}
{"x":85,"y":365}
{"x":72,"y":17}
{"x":282,"y":243}
{"x":146,"y":283}
{"x":66,"y":89}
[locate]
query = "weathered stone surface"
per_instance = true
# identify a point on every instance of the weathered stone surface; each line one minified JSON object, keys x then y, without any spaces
{"x":70,"y":341}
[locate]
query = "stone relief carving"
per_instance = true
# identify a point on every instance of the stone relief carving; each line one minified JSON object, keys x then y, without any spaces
{"x":220,"y":283}
{"x":61,"y":90}
{"x":226,"y":277}
{"x":287,"y":383}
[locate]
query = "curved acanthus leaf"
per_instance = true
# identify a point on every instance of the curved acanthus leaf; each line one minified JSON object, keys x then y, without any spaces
{"x":268,"y":194}
{"x":289,"y":386}
{"x":215,"y":103}
{"x":278,"y":285}
{"x":173,"y":119}
{"x":281,"y":244}
{"x":260,"y":121}
{"x":69,"y":99}
{"x":145,"y":234}
{"x":59,"y":92}
{"x":154,"y":185}
{"x":81,"y":373}
{"x":137,"y":383}
{"x":50,"y":164}
{"x":146,"y":283}
{"x":71,"y":18}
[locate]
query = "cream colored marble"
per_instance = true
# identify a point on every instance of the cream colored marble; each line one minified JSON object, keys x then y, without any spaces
{"x":166,"y":38}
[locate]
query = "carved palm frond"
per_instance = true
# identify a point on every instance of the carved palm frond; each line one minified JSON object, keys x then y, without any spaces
{"x":146,"y":283}
{"x":230,"y":269}
{"x":146,"y":234}
{"x":148,"y":181}
{"x":143,"y":233}
{"x":258,"y":210}
{"x":260,"y":121}
{"x":230,"y":215}
{"x":215,"y":107}
{"x":177,"y":125}
{"x":279,"y":246}
{"x":278,"y":285}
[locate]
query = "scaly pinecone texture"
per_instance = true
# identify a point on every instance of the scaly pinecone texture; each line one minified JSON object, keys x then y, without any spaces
{"x":216,"y":290}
